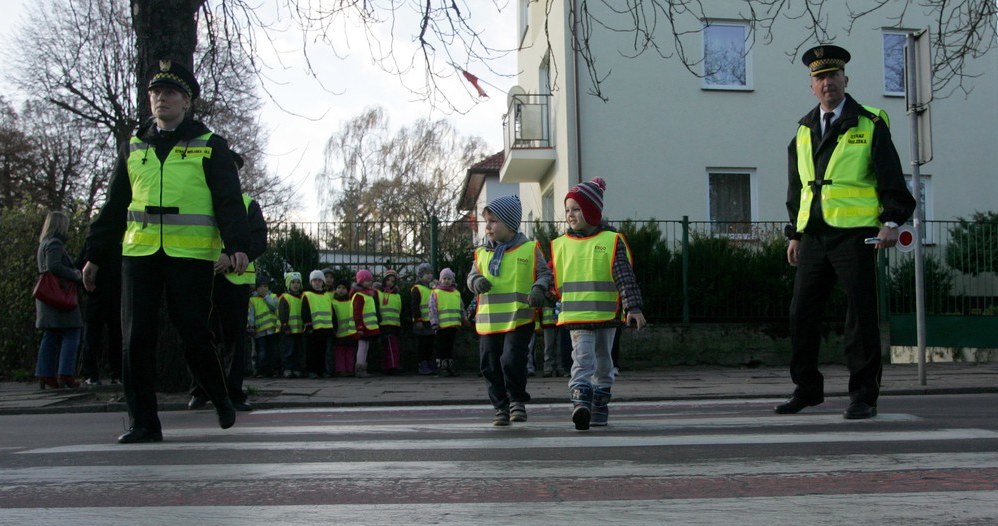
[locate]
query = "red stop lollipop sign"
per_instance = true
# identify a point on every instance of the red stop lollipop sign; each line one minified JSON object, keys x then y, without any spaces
{"x":906,"y":238}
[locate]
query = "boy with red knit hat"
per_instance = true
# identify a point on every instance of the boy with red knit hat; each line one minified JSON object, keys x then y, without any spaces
{"x":598,"y":288}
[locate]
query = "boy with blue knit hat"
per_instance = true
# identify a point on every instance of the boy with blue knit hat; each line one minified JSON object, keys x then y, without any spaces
{"x":509,"y":277}
{"x":419,"y":296}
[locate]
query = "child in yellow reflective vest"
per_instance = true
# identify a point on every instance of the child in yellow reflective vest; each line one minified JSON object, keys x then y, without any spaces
{"x":509,"y":277}
{"x":446,"y":317}
{"x":261,"y":322}
{"x":292,"y":327}
{"x":365,"y":318}
{"x":390,"y":306}
{"x":345,"y":340}
{"x":419,"y":296}
{"x":317,"y":315}
{"x":593,"y":275}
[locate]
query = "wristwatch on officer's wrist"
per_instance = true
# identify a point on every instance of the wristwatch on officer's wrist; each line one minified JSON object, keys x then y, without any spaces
{"x":890,"y":224}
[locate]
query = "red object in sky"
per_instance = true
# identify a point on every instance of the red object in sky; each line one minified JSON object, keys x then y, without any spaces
{"x":474,"y":82}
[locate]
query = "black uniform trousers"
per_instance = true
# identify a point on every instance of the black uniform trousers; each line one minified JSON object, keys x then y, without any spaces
{"x":102,"y":333}
{"x":503,"y":362}
{"x":187,"y":284}
{"x":230,"y":303}
{"x":836,"y":255}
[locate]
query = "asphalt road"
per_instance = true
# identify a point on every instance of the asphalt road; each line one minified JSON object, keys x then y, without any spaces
{"x":923,"y":460}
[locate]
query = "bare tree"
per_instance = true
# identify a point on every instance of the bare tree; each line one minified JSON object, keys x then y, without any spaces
{"x":15,"y":156}
{"x":397,"y":180}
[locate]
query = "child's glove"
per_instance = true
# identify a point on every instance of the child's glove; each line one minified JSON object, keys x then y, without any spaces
{"x":536,"y":297}
{"x":480,"y":285}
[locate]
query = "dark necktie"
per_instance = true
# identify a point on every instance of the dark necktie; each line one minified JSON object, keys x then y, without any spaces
{"x":828,"y":123}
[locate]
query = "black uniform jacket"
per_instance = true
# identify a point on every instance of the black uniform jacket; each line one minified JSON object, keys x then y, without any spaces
{"x":896,"y":200}
{"x":221,"y":176}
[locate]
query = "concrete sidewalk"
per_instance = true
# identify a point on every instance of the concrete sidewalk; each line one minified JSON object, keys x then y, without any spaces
{"x":681,"y":383}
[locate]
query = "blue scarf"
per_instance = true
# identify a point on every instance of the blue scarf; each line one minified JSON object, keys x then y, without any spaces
{"x":500,"y":248}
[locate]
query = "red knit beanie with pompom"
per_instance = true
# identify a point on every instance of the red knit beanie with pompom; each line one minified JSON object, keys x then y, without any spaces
{"x":589,"y":195}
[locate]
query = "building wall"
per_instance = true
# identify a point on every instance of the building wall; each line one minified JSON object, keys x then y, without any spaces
{"x":661,"y":131}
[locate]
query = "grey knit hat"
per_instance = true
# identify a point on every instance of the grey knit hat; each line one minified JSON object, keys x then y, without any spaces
{"x":508,"y":210}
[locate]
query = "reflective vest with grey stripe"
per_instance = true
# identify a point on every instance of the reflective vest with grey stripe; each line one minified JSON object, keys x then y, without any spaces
{"x":264,"y":318}
{"x":248,"y":277}
{"x":424,"y":302}
{"x":171,"y":205}
{"x":345,"y":326}
{"x":504,"y":307}
{"x":391,"y":308}
{"x":319,"y":309}
{"x":295,"y":325}
{"x":369,"y":312}
{"x":448,"y":308}
{"x":583,"y":272}
{"x":849,"y":187}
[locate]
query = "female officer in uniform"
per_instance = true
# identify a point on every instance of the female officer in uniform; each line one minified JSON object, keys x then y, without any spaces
{"x":174,"y":198}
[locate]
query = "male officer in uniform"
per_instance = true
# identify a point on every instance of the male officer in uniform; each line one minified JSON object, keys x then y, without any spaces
{"x":845,"y":186}
{"x":174,"y":198}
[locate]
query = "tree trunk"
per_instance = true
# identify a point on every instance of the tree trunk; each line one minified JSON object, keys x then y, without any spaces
{"x":164,"y":29}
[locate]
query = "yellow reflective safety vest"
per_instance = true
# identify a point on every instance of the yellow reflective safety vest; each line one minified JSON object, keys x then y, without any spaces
{"x":424,"y":302}
{"x":504,"y":307}
{"x":391,"y":308}
{"x":583,"y":273}
{"x":171,"y":204}
{"x":345,"y":326}
{"x":248,"y":277}
{"x":264,"y":318}
{"x":295,"y":324}
{"x":448,"y":308}
{"x":849,"y":189}
{"x":548,"y":319}
{"x":320,"y":309}
{"x":370,"y":311}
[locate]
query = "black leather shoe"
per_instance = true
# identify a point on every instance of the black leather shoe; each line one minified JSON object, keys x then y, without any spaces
{"x":196,"y":403}
{"x":860,"y":411}
{"x":226,"y":414}
{"x":242,"y":406}
{"x":794,"y":405}
{"x":136,"y":435}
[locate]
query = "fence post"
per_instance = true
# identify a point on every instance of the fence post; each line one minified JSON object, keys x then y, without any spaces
{"x":686,"y":269}
{"x":434,"y":224}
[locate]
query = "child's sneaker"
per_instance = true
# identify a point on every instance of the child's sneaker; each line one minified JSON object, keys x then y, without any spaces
{"x":518,"y":412}
{"x":601,"y":409}
{"x":501,"y":418}
{"x":424,"y":368}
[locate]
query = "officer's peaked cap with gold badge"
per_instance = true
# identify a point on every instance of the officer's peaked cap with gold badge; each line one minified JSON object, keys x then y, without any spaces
{"x":825,"y":57}
{"x":172,"y":73}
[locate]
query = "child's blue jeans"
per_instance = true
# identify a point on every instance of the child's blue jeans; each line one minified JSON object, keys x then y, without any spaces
{"x":591,"y":361}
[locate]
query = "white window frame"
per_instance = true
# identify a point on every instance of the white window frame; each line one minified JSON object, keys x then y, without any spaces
{"x":746,"y":56}
{"x":753,"y":197}
{"x":523,"y":20}
{"x":547,"y":205}
{"x":883,"y":49}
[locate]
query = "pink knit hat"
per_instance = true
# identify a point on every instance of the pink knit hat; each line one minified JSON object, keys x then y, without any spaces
{"x":447,"y":273}
{"x":363,"y":275}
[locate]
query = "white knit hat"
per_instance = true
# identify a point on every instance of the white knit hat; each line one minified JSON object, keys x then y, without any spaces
{"x":316,"y":274}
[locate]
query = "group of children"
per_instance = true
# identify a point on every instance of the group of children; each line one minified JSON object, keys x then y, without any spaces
{"x":328,"y":330}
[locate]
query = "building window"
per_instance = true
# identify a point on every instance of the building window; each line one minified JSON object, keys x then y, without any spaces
{"x":894,"y":63}
{"x":726,"y":60}
{"x":730,"y":201}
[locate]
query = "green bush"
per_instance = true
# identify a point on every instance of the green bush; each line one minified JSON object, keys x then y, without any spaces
{"x":973,"y":244}
{"x":938,"y":286}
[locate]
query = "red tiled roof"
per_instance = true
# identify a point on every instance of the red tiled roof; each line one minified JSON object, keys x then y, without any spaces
{"x":491,"y":163}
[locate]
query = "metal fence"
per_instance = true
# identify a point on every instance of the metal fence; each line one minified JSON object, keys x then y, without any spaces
{"x":689,"y":271}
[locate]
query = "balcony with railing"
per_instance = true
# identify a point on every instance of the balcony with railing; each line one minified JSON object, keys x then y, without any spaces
{"x":528,"y":144}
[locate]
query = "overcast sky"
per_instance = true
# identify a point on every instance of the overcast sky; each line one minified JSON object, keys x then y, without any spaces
{"x":297,"y":142}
